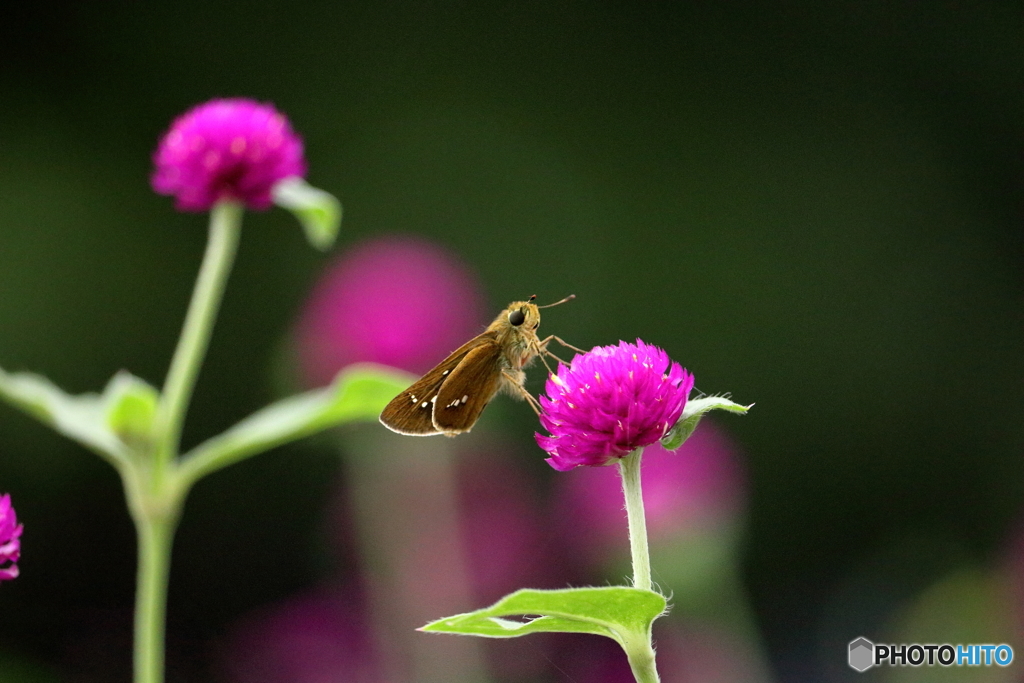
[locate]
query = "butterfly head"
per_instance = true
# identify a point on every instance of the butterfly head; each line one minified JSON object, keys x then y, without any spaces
{"x":522,"y":316}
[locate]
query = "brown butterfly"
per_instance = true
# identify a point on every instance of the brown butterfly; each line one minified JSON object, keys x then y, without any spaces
{"x":449,"y":398}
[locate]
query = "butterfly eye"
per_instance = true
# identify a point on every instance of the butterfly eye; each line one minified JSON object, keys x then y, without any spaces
{"x":517,"y":317}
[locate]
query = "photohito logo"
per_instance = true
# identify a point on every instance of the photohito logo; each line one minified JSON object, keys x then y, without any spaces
{"x":863,"y":654}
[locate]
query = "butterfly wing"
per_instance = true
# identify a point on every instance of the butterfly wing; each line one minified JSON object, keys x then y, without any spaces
{"x":411,"y":412}
{"x":468,"y":389}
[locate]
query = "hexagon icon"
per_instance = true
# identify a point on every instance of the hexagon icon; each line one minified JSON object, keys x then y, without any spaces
{"x":862,"y":654}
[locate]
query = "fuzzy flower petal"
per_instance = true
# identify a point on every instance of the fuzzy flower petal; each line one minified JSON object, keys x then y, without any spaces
{"x":609,"y":402}
{"x":10,"y":543}
{"x":226,"y":149}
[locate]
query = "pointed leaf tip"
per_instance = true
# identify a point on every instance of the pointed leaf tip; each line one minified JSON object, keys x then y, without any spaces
{"x":692,"y":413}
{"x":318,"y":211}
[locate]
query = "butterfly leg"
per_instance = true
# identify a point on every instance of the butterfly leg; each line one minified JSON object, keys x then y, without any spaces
{"x":563,"y":343}
{"x":544,"y":351}
{"x":523,"y":392}
{"x":545,"y":360}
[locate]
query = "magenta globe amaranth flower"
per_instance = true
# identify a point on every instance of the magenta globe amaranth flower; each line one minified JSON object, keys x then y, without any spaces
{"x":226,"y":149}
{"x":610,"y":401}
{"x":10,"y":540}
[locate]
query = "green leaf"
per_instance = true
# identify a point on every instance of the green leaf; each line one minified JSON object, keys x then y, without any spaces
{"x":82,"y":417}
{"x":691,"y":416}
{"x":130,"y":409}
{"x":319,"y":212}
{"x":623,"y":614}
{"x":358,"y":393}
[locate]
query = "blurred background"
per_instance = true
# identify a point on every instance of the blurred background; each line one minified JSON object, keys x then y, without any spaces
{"x":818,"y":207}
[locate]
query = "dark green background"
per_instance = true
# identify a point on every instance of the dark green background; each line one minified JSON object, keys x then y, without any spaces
{"x":814,"y":206}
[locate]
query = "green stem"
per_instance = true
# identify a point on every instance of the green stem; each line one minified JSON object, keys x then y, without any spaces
{"x":640,"y":652}
{"x":629,"y":468}
{"x":225,"y":227}
{"x":155,"y":493}
{"x":641,"y":663}
{"x":155,"y":539}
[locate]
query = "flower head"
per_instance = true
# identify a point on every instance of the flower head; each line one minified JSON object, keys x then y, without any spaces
{"x":226,"y":149}
{"x":10,"y":545}
{"x":399,"y":301}
{"x":609,"y":402}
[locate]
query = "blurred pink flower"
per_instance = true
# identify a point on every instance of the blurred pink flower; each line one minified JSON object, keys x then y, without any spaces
{"x":506,"y":536}
{"x":399,"y":301}
{"x":508,"y":545}
{"x":696,"y":487}
{"x":10,"y":539}
{"x":226,"y":149}
{"x":315,"y":637}
{"x":610,"y":401}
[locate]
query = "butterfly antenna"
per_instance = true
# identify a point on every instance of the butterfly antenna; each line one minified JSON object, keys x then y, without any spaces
{"x":568,"y":298}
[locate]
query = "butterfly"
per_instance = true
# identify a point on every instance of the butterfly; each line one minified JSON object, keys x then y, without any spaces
{"x":449,"y":398}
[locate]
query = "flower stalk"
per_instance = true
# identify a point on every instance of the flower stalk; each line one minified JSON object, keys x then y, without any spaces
{"x":629,"y":469}
{"x":641,"y":663}
{"x":155,"y":494}
{"x":641,"y":657}
{"x":221,"y":247}
{"x":155,"y":538}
